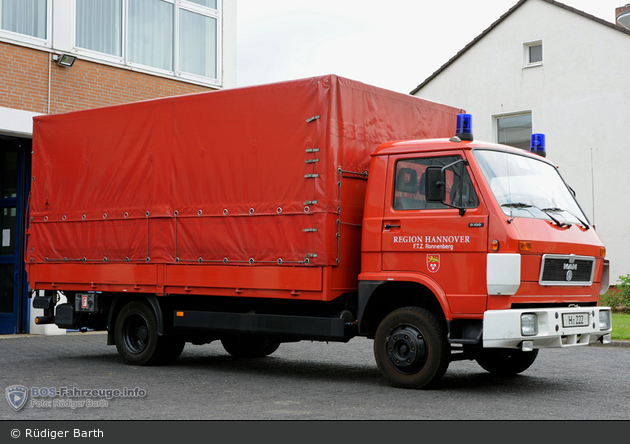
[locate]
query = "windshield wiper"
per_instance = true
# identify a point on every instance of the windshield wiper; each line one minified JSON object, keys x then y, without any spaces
{"x":518,"y":205}
{"x":544,"y":210}
{"x":559,"y":210}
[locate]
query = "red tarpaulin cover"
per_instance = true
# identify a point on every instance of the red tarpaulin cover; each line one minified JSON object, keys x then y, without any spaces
{"x":230,"y":174}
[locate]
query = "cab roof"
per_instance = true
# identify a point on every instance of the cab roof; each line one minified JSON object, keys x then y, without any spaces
{"x":433,"y":145}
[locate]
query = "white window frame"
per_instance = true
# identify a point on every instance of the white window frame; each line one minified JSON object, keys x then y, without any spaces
{"x":125,"y":41}
{"x":14,"y":37}
{"x":526,"y":46}
{"x":206,"y":12}
{"x":95,"y":55}
{"x":216,"y":14}
{"x":496,"y":117}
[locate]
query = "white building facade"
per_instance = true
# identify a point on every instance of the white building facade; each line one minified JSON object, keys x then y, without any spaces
{"x":544,"y":67}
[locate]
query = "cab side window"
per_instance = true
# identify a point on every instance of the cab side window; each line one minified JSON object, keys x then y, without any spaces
{"x":409,"y":188}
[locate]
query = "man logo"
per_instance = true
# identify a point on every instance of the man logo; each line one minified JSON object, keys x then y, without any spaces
{"x":17,"y":396}
{"x":433,"y":262}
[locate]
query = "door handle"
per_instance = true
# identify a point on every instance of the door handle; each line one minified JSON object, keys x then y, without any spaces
{"x":387,"y":226}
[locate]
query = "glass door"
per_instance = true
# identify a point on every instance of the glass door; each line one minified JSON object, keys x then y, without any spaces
{"x":13,"y":300}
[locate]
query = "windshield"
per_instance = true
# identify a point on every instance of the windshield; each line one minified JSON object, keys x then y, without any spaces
{"x":526,"y":187}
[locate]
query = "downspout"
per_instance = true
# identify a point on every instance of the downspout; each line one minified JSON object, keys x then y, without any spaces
{"x":49,"y":80}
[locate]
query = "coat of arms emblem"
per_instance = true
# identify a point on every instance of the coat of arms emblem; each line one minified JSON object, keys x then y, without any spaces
{"x":433,"y":262}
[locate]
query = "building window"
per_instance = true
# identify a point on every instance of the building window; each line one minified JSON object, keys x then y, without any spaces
{"x":532,"y":54}
{"x":150,"y":33}
{"x":25,"y":18}
{"x":209,"y":3}
{"x":535,"y":54}
{"x":515,"y":130}
{"x":99,"y":26}
{"x":197,"y":44}
{"x":171,"y":37}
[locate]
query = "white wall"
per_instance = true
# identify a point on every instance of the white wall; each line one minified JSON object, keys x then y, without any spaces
{"x":16,"y":123}
{"x":229,"y":44}
{"x":579,"y":97}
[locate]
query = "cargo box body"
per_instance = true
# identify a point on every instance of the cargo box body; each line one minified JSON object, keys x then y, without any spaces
{"x":254,"y":191}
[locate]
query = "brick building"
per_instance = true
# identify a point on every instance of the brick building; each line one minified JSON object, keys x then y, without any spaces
{"x":64,"y":55}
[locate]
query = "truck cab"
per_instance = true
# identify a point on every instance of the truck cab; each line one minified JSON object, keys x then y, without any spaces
{"x":483,"y":243}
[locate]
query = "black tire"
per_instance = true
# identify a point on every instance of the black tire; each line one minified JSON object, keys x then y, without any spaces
{"x":170,"y":348}
{"x":137,"y":339}
{"x":249,"y":346}
{"x":506,"y":362}
{"x":411,"y":349}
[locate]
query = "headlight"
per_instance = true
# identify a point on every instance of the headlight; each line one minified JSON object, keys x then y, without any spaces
{"x":605,"y":320}
{"x":529,"y":324}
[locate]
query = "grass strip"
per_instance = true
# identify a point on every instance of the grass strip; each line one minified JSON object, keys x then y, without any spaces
{"x":621,"y":326}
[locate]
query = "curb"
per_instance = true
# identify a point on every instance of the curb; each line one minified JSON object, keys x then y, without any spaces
{"x":620,"y":344}
{"x":32,"y":335}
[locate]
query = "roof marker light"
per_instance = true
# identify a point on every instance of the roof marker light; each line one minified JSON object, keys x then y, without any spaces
{"x":538,"y":145}
{"x":464,"y":127}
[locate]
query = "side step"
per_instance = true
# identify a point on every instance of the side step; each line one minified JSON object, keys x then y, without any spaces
{"x":299,"y":327}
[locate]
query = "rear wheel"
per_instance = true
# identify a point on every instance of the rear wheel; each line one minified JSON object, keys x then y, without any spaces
{"x":506,"y":362}
{"x":137,"y":339}
{"x":410,"y":348}
{"x":249,"y":346}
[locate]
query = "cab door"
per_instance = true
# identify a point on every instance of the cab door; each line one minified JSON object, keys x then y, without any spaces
{"x":432,"y":239}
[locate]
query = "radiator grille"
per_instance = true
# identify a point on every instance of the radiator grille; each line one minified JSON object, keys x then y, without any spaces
{"x":566,"y":270}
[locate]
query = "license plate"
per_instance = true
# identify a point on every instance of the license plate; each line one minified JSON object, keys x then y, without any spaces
{"x":575,"y":320}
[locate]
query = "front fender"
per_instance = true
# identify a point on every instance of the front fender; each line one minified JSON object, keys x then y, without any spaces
{"x":369,"y":283}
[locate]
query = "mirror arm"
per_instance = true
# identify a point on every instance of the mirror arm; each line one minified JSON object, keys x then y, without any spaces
{"x":461,"y":208}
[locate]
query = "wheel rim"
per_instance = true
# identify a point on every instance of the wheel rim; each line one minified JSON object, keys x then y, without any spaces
{"x":136,"y":333}
{"x":406,"y":349}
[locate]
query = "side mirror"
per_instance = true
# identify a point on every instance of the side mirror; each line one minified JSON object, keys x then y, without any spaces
{"x":435,"y":184}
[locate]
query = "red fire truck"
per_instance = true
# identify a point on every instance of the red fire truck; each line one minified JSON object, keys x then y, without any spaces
{"x":318,"y":209}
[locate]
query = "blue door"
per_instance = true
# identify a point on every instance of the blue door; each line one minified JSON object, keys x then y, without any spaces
{"x":14,"y":171}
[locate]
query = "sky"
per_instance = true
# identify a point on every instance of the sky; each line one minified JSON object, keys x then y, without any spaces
{"x":392,"y":44}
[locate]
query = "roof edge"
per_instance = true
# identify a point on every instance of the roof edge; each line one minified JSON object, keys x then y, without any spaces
{"x":501,"y":19}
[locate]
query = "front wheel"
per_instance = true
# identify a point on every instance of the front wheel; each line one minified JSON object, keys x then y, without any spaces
{"x":410,"y":348}
{"x":506,"y":362}
{"x":137,"y":340}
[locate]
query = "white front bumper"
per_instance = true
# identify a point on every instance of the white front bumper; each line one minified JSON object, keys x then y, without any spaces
{"x":502,"y":328}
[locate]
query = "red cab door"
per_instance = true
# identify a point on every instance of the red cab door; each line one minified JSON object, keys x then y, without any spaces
{"x":432,"y":239}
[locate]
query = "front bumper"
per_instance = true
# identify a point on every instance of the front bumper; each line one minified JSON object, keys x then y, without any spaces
{"x":502,"y":328}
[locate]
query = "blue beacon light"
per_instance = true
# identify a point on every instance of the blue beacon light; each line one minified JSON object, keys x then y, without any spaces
{"x":538,"y":145}
{"x":464,"y":127}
